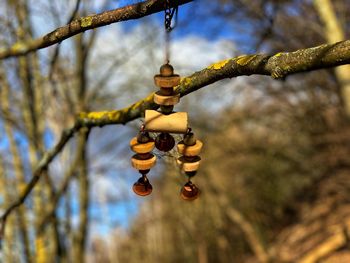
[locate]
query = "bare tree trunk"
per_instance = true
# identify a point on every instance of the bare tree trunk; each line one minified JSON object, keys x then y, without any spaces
{"x":333,"y":34}
{"x":17,"y":164}
{"x":83,"y":181}
{"x":8,"y":252}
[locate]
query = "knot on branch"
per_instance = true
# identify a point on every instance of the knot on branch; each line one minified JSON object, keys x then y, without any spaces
{"x":278,"y":73}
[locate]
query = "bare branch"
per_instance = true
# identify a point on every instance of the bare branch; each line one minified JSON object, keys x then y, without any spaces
{"x":83,"y":24}
{"x":42,"y":166}
{"x":278,"y":66}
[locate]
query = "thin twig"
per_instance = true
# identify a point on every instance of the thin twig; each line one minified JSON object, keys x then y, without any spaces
{"x":57,"y":50}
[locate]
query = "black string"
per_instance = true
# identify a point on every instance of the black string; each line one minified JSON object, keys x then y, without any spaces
{"x":168,"y":17}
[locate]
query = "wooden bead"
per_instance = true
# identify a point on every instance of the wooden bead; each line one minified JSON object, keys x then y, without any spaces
{"x":141,"y":147}
{"x":141,"y":164}
{"x":166,"y":70}
{"x":142,"y":187}
{"x":189,"y":139}
{"x":193,"y":150}
{"x":191,"y":173}
{"x":166,"y":82}
{"x":164,"y":142}
{"x":189,"y":192}
{"x":189,"y":166}
{"x":166,"y":100}
{"x":166,"y":109}
{"x":176,"y":122}
{"x":166,"y":91}
{"x":143,"y":137}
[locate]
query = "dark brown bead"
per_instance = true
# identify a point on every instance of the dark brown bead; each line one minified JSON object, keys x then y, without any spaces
{"x":189,"y":191}
{"x":143,"y":156}
{"x":142,"y":187}
{"x":166,"y":91}
{"x":164,"y":142}
{"x":143,"y":137}
{"x":191,"y":173}
{"x":144,"y":172}
{"x":189,"y":139}
{"x":166,"y":70}
{"x":165,"y":109}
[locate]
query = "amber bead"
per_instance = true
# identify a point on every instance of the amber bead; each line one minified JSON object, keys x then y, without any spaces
{"x":189,"y":191}
{"x":164,"y":142}
{"x":142,"y":187}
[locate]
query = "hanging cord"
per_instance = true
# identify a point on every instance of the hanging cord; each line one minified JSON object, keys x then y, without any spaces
{"x":168,"y":17}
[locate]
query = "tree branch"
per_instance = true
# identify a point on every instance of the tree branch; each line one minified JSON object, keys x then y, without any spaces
{"x":82,"y":24}
{"x":277,"y":66}
{"x":42,"y":165}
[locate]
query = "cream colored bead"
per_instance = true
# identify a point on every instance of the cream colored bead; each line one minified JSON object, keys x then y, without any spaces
{"x":141,"y":147}
{"x":193,"y":150}
{"x":188,"y":166}
{"x":140,"y":164}
{"x":176,"y":122}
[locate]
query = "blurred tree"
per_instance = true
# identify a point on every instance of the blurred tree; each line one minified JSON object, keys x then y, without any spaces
{"x":255,"y":172}
{"x":272,"y":172}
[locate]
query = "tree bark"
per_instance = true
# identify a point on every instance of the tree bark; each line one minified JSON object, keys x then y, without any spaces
{"x":335,"y":33}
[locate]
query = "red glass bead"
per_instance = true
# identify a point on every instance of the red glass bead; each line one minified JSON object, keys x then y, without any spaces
{"x":189,"y":191}
{"x":164,"y":142}
{"x":142,"y":187}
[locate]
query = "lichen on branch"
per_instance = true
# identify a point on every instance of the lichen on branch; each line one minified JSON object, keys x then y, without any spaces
{"x":278,"y":66}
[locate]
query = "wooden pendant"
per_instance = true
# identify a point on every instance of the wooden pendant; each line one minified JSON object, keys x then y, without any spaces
{"x":165,"y":122}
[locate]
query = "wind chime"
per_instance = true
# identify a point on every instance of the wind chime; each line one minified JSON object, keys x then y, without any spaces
{"x":165,"y":122}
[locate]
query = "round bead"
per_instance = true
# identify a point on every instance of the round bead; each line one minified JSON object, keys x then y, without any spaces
{"x":166,"y":91}
{"x":189,"y":165}
{"x":166,"y":109}
{"x":144,"y":172}
{"x":189,"y":191}
{"x":142,"y":187}
{"x":191,"y":173}
{"x":189,"y":139}
{"x":164,"y":142}
{"x":143,"y":137}
{"x":143,"y":164}
{"x":166,"y":70}
{"x":138,"y":147}
{"x":193,"y":150}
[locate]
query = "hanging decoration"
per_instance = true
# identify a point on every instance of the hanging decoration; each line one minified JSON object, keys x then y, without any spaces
{"x":164,"y":123}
